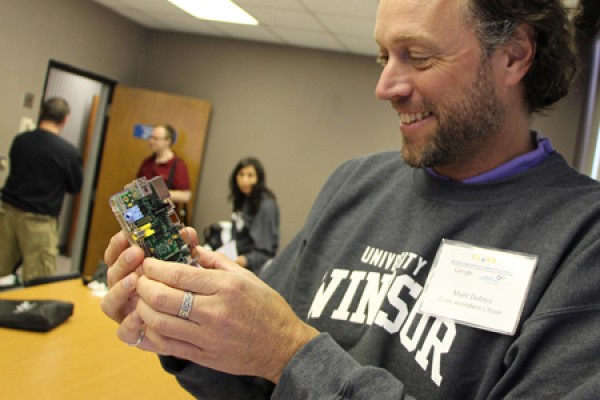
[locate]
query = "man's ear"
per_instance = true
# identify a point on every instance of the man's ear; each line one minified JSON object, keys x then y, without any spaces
{"x":518,"y":54}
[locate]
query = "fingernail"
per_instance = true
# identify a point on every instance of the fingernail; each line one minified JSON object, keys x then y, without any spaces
{"x":128,"y":256}
{"x":128,"y":282}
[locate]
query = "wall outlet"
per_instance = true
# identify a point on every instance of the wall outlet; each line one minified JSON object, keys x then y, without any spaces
{"x":26,"y":124}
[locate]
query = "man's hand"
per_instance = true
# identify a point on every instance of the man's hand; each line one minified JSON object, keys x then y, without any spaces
{"x":122,"y":261}
{"x":237,"y":323}
{"x":124,"y":269}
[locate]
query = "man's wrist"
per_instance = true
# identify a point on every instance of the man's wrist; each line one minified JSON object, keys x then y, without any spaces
{"x":300,"y":336}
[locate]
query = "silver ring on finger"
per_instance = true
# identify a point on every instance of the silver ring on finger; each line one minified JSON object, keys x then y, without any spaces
{"x":186,"y":305}
{"x":140,"y":339}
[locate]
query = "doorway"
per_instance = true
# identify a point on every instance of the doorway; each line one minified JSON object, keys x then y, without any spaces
{"x":88,"y":95}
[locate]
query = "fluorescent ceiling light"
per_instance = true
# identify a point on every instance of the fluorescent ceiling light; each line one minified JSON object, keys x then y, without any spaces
{"x":216,"y":10}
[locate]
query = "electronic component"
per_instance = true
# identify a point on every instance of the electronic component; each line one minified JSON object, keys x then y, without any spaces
{"x":149,"y":220}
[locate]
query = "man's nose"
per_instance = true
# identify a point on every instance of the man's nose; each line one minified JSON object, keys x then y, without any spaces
{"x":394,"y":82}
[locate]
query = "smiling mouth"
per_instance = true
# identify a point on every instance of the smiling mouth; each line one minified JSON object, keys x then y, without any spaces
{"x":411,"y":118}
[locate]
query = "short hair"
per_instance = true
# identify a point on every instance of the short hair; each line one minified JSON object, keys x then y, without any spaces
{"x":170,"y":131}
{"x":555,"y":64}
{"x":55,"y":109}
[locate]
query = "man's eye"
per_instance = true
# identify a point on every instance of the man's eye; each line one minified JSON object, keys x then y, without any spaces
{"x":421,"y":61}
{"x":382,"y":59}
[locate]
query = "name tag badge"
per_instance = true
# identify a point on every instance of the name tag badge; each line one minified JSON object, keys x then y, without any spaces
{"x":477,"y":286}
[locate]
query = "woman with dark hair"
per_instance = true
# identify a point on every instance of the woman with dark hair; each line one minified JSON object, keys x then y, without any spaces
{"x":255,"y":214}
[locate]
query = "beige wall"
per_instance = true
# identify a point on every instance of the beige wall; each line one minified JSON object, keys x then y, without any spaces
{"x":301,"y":111}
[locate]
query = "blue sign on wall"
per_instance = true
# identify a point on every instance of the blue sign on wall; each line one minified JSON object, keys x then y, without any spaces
{"x":142,"y":131}
{"x":145,"y":131}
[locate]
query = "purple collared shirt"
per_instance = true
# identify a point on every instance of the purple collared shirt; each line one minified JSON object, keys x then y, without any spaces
{"x":517,"y":165}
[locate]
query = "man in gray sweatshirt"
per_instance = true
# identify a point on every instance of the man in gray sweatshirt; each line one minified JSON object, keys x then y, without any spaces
{"x":466,"y":267}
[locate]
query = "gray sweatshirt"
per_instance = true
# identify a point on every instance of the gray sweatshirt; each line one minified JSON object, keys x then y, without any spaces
{"x":357,"y":268}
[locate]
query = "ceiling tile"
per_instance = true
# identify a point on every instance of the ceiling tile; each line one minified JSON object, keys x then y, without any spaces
{"x":357,"y":8}
{"x":306,"y":38}
{"x":338,"y":25}
{"x":248,"y":32}
{"x":348,"y":25}
{"x":187,"y":24}
{"x":150,"y":5}
{"x":291,"y":18}
{"x":283,"y":4}
{"x":321,"y":24}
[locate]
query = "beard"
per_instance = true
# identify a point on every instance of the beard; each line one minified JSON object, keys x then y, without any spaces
{"x":464,"y":127}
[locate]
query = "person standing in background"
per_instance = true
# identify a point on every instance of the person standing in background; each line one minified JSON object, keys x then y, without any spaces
{"x":255,"y":215}
{"x":43,"y":167}
{"x":164,"y":163}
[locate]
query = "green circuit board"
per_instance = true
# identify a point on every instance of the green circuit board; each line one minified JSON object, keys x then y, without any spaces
{"x":148,"y":218}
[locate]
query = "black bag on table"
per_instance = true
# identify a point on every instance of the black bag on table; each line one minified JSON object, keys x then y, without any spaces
{"x":34,"y":315}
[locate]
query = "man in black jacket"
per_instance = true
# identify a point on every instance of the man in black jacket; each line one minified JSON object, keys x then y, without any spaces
{"x":43,"y":167}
